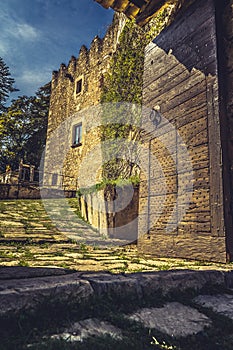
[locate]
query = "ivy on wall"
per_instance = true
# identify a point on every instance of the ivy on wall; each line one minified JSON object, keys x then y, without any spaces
{"x":123,"y":84}
{"x":122,"y":91}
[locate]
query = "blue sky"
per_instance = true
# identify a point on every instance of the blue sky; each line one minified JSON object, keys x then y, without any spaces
{"x":36,"y":36}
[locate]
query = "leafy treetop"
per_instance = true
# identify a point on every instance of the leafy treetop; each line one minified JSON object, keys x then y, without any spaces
{"x":23,"y":129}
{"x":6,"y":84}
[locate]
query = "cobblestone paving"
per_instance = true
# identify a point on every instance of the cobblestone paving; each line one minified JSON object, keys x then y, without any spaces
{"x":28,"y":237}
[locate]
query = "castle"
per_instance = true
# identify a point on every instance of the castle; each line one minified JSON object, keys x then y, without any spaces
{"x":74,"y":88}
{"x":74,"y":129}
{"x":185,"y":203}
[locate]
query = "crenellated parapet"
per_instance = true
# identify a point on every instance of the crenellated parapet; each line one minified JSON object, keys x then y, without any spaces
{"x":75,"y":87}
{"x":78,"y":84}
{"x":72,"y":65}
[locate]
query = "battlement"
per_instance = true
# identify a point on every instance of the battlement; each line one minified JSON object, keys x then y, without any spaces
{"x":101,"y":49}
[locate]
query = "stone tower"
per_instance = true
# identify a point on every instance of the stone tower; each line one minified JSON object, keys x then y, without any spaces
{"x":75,"y":88}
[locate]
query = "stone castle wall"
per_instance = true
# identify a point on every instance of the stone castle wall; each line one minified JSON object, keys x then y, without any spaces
{"x":188,"y":74}
{"x":70,"y":167}
{"x":187,"y":209}
{"x":69,"y":107}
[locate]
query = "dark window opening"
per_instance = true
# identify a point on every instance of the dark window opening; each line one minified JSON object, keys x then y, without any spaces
{"x":77,"y":135}
{"x":79,"y":85}
{"x":54,"y":179}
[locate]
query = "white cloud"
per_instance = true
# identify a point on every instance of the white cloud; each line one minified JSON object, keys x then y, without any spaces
{"x":23,"y":31}
{"x":34,"y":78}
{"x":12,"y":28}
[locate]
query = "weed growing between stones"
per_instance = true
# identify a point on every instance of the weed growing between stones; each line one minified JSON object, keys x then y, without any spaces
{"x":23,"y":263}
{"x":162,"y":345}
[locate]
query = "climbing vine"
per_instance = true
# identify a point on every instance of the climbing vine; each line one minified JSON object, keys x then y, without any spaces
{"x":123,"y":84}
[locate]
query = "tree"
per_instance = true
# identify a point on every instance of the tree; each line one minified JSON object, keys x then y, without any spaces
{"x":23,"y":129}
{"x":39,"y":121}
{"x":6,"y":84}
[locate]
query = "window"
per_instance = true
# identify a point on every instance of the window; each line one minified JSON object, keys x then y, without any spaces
{"x":77,"y":135}
{"x":54,"y":179}
{"x":79,"y":85}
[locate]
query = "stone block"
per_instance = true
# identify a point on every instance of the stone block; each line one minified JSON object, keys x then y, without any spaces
{"x":18,"y":295}
{"x":174,"y":319}
{"x":107,"y":284}
{"x":166,"y":282}
{"x":220,"y":303}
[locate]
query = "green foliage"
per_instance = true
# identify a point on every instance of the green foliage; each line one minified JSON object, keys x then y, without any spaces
{"x":23,"y":129}
{"x":123,"y":83}
{"x":6,"y":84}
{"x":124,"y":80}
{"x":120,"y":182}
{"x":119,"y":140}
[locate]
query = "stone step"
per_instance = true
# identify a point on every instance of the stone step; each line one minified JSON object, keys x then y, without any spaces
{"x":28,"y":291}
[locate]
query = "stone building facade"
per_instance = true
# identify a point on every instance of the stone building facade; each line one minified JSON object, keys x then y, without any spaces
{"x":73,"y":155}
{"x":188,"y":74}
{"x":76,"y":90}
{"x":187,"y":85}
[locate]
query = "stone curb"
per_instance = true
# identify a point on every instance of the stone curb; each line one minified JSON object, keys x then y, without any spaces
{"x":20,"y":294}
{"x":12,"y":272}
{"x":31,"y":290}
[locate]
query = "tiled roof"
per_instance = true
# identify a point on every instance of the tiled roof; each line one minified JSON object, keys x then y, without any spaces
{"x":141,"y":10}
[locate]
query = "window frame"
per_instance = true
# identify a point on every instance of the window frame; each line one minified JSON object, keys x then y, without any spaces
{"x":76,"y":127}
{"x":54,"y":179}
{"x":79,"y":80}
{"x":79,"y":86}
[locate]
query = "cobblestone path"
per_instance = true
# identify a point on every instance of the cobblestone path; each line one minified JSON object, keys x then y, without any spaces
{"x":28,"y":237}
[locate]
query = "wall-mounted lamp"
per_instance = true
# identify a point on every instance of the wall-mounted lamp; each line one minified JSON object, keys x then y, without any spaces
{"x":155,"y":116}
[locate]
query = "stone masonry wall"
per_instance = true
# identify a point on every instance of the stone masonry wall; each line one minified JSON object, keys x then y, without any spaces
{"x":19,"y":191}
{"x":101,"y":211}
{"x":90,"y":66}
{"x":73,"y":165}
{"x":184,"y":203}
